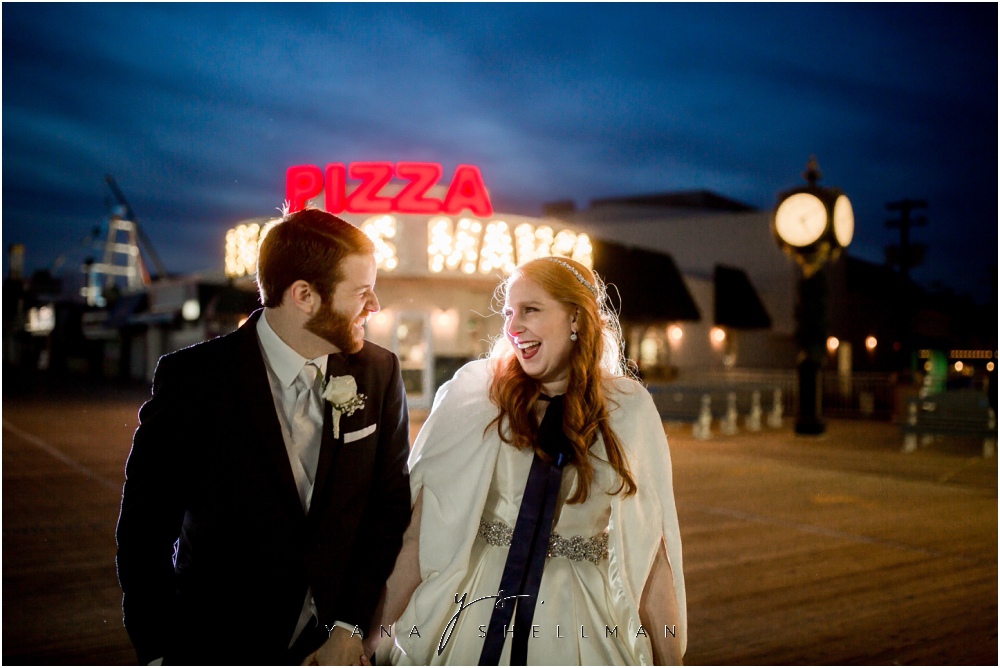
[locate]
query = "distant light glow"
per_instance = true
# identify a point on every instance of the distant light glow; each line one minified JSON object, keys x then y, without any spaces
{"x":675,"y":333}
{"x":191,"y":310}
{"x":41,"y":319}
{"x":959,"y":366}
{"x":971,"y":354}
{"x":718,"y":335}
{"x":832,"y":344}
{"x":990,"y":366}
{"x":871,"y":342}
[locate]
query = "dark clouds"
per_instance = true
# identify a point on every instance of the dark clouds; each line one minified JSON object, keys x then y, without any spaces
{"x":198,"y":109}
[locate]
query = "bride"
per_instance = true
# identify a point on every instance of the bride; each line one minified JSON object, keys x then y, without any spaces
{"x":544,"y":529}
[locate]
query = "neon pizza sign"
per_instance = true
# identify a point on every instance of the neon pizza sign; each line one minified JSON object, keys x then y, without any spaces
{"x":466,"y":191}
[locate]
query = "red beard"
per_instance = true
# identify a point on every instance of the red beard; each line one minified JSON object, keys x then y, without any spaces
{"x":335,"y":327}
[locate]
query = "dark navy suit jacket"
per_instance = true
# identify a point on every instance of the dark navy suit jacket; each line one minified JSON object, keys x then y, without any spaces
{"x":215,"y":552}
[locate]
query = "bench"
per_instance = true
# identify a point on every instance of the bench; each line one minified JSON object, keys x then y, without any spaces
{"x":954,"y":413}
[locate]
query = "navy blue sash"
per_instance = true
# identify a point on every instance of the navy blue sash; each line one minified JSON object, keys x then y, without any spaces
{"x":522,"y":573}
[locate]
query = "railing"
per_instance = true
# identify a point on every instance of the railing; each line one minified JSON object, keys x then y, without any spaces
{"x":858,"y":395}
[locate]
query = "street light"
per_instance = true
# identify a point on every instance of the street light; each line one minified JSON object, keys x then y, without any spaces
{"x":812,"y":224}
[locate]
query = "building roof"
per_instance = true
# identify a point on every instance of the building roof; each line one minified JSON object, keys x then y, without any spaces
{"x":694,"y":200}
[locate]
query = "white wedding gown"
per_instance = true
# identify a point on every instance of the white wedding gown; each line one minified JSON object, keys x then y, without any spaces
{"x":574,"y":618}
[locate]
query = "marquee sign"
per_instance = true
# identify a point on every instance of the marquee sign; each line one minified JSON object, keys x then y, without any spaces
{"x":303,"y":182}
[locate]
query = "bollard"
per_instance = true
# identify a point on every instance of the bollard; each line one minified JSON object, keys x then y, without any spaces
{"x":753,"y":419}
{"x":910,"y":440}
{"x":774,"y":417}
{"x":990,"y":442}
{"x":728,"y":424}
{"x":702,"y":429}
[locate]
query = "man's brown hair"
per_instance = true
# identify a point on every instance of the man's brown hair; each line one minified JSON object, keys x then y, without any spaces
{"x":309,"y":245}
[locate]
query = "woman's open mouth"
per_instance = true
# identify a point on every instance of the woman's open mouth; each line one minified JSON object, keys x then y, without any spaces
{"x":528,"y":348}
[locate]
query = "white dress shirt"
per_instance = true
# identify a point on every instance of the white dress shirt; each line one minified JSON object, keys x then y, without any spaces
{"x":283,"y":366}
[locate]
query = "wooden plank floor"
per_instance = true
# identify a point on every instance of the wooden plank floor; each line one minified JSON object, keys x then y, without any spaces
{"x":832,"y":550}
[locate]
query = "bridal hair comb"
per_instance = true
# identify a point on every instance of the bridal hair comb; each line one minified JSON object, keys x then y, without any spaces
{"x":576,"y":273}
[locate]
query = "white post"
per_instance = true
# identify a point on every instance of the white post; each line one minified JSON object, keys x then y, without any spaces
{"x":728,"y":424}
{"x":702,"y":429}
{"x":774,"y":417}
{"x":753,"y":419}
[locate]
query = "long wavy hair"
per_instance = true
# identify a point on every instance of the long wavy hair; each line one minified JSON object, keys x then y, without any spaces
{"x":597,"y":353}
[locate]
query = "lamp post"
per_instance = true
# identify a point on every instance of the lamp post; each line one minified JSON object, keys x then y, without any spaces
{"x":812,"y":224}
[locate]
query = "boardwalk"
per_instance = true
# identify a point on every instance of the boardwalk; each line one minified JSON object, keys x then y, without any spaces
{"x":839,"y":550}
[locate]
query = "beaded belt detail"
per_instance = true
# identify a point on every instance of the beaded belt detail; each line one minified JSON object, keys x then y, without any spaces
{"x":577,"y":548}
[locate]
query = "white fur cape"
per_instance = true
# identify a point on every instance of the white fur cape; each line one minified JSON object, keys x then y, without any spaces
{"x":453,"y":461}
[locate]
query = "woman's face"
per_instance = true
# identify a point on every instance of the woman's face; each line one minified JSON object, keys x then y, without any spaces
{"x":539,"y":328}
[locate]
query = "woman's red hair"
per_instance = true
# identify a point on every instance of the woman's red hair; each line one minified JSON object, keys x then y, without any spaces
{"x":596,"y":353}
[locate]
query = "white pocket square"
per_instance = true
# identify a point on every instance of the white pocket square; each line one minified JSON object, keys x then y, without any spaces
{"x":351,"y":436}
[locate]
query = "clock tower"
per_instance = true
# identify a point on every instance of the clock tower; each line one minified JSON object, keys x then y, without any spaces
{"x":812,"y":224}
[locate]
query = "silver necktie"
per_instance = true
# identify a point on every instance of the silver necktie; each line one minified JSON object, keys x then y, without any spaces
{"x":307,"y":420}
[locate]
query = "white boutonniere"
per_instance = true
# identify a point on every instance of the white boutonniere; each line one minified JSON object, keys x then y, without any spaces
{"x":342,"y":393}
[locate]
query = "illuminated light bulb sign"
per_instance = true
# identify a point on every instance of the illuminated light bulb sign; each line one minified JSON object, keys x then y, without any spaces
{"x":470,"y":245}
{"x":378,"y":229}
{"x":466,"y":192}
{"x":241,"y":249}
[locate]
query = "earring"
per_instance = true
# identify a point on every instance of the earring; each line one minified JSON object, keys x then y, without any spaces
{"x":573,"y":336}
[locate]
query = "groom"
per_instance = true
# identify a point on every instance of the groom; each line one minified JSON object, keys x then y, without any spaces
{"x":260,"y":520}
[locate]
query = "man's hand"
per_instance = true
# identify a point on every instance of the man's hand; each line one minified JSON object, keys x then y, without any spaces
{"x":342,"y":649}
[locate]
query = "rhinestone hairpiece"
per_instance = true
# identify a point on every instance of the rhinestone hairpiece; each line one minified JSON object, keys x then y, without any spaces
{"x":576,"y":273}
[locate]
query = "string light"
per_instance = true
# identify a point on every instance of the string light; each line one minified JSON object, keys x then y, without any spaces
{"x":241,"y":249}
{"x":378,"y":229}
{"x":497,"y":253}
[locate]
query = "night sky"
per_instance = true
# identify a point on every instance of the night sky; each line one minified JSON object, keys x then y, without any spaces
{"x":197,"y":110}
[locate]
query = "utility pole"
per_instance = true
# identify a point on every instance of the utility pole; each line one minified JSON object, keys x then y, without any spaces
{"x":907,"y":255}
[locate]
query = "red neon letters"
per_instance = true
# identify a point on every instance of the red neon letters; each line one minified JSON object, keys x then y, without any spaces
{"x":467,"y":191}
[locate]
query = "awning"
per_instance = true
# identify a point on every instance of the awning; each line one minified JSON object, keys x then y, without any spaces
{"x":650,"y":287}
{"x":737,"y":304}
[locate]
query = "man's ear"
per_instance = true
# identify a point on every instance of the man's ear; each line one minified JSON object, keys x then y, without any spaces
{"x":304,"y":297}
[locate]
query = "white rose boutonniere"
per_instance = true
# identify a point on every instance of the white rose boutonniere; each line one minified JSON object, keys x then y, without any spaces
{"x":342,"y":393}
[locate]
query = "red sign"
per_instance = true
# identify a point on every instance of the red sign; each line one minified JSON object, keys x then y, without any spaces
{"x":303,"y":182}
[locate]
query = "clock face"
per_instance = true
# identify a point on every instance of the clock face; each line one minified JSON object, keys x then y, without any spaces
{"x":843,"y":220}
{"x":801,"y":219}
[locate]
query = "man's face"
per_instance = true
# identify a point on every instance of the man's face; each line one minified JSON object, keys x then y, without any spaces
{"x":341,"y":320}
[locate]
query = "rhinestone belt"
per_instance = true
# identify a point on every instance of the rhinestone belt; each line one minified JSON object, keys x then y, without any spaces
{"x":577,"y":548}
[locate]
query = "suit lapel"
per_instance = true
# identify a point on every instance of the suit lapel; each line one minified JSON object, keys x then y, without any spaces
{"x":337,"y":471}
{"x":264,"y":425}
{"x":336,"y":365}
